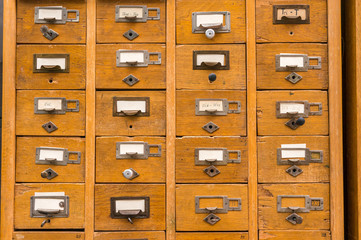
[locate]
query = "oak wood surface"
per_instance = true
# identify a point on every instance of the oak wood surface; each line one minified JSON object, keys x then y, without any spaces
{"x":156,"y":235}
{"x":294,"y":235}
{"x":48,"y":235}
{"x":212,"y":236}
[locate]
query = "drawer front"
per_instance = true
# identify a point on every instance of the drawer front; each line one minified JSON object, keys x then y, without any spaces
{"x":40,"y":159}
{"x":293,"y":159}
{"x":311,"y":61}
{"x":111,"y":76}
{"x":212,"y":236}
{"x":211,"y":160}
{"x":149,"y":119}
{"x":231,"y":15}
{"x":130,"y":159}
{"x":146,"y":27}
{"x":153,"y":219}
{"x":227,"y":120}
{"x":50,"y":67}
{"x":48,"y":236}
{"x":129,"y":235}
{"x":66,"y":30}
{"x":196,"y":70}
{"x":73,"y":206}
{"x":221,"y":196}
{"x":275,"y":109}
{"x":45,"y":121}
{"x":306,"y":21}
{"x":297,"y":235}
{"x":294,"y":196}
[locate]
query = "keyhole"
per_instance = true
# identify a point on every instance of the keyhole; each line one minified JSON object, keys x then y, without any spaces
{"x":294,"y":219}
{"x":130,"y":126}
{"x":291,"y":33}
{"x":130,"y":79}
{"x":130,"y":34}
{"x":210,"y":127}
{"x":50,"y":80}
{"x":49,"y":126}
{"x":293,"y":77}
{"x":212,"y":170}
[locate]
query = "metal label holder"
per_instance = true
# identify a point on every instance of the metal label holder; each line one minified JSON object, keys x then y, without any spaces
{"x":45,"y":213}
{"x":306,"y":161}
{"x":309,"y":206}
{"x":214,"y":112}
{"x":134,"y":112}
{"x":225,"y":208}
{"x":64,"y":14}
{"x":307,"y":111}
{"x":134,"y":18}
{"x":54,"y":161}
{"x":52,"y":110}
{"x":211,"y":65}
{"x":218,"y":28}
{"x":135,"y":155}
{"x":145,"y":63}
{"x":51,"y":68}
{"x":296,"y":68}
{"x":215,"y":162}
{"x":128,"y":214}
{"x":290,"y":14}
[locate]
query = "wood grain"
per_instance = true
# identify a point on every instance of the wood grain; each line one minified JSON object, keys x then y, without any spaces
{"x":212,"y":236}
{"x":158,"y":235}
{"x":294,"y":235}
{"x":48,"y":236}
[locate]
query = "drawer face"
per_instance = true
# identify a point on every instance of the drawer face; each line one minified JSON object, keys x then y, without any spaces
{"x":212,"y":236}
{"x":111,"y":30}
{"x":129,"y":235}
{"x":109,"y":76}
{"x":192,"y":71}
{"x":234,"y":220}
{"x":192,"y":153}
{"x":232,"y":11}
{"x":32,"y":61}
{"x":276,"y":153}
{"x":42,"y":201}
{"x":68,"y":32}
{"x":30,"y":123}
{"x":304,"y":25}
{"x":32,"y":166}
{"x":150,"y":103}
{"x":221,"y":122}
{"x":155,"y":219}
{"x":293,"y":105}
{"x":296,"y":235}
{"x":48,"y":236}
{"x":147,"y":157}
{"x":294,"y":195}
{"x":272,"y":73}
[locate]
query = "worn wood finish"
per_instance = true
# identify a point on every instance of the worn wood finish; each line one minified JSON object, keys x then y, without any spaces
{"x":184,"y":11}
{"x":269,"y":218}
{"x":29,"y":32}
{"x":189,"y":124}
{"x":188,"y":78}
{"x":156,"y":193}
{"x":27,"y":79}
{"x":212,"y":236}
{"x":109,"y":76}
{"x":23,"y":193}
{"x":270,"y":172}
{"x":109,"y":169}
{"x":294,"y":235}
{"x":188,"y":220}
{"x":48,"y":235}
{"x":106,"y":124}
{"x":269,"y":124}
{"x":29,"y":123}
{"x":158,"y":235}
{"x":28,"y":171}
{"x":316,"y":31}
{"x":269,"y":78}
{"x":188,"y":172}
{"x":109,"y":31}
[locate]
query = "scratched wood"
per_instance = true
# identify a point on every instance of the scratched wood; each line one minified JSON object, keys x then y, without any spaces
{"x":48,"y":235}
{"x":294,"y":235}
{"x":156,"y":235}
{"x":212,"y":236}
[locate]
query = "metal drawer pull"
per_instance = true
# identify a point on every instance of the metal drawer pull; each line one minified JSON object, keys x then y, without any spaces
{"x":54,"y":15}
{"x":129,"y":208}
{"x":51,"y":63}
{"x":135,"y":13}
{"x":49,"y":174}
{"x":211,"y":60}
{"x":49,"y":34}
{"x":136,"y":58}
{"x":51,"y":105}
{"x":136,"y":150}
{"x":211,"y":23}
{"x":55,"y":156}
{"x":216,"y":107}
{"x":286,"y":62}
{"x":131,"y":106}
{"x":130,"y":174}
{"x":291,"y":14}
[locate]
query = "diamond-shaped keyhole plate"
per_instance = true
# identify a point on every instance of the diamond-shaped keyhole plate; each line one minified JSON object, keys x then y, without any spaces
{"x":212,"y":219}
{"x":50,"y":127}
{"x":294,"y":171}
{"x":130,"y":80}
{"x":210,"y":127}
{"x":212,"y":171}
{"x":49,"y":174}
{"x":294,"y":218}
{"x":130,"y":34}
{"x":292,"y":123}
{"x":294,"y":78}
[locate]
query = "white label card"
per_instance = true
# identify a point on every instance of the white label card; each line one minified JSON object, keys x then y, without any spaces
{"x":291,"y":60}
{"x":45,"y":13}
{"x":50,"y":103}
{"x":209,"y":19}
{"x":129,"y":204}
{"x":131,"y":57}
{"x":291,"y":13}
{"x":50,"y":62}
{"x":130,"y":12}
{"x":218,"y":58}
{"x":211,"y":105}
{"x":210,"y":154}
{"x":131,"y":105}
{"x":293,"y":153}
{"x":49,"y":153}
{"x":124,"y":148}
{"x":292,"y":108}
{"x":48,"y":203}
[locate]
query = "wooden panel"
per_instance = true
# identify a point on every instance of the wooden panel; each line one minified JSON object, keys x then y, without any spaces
{"x":269,"y":78}
{"x":156,"y":193}
{"x":188,"y":78}
{"x":212,"y":236}
{"x":269,"y":171}
{"x":129,"y":235}
{"x":27,"y":79}
{"x":48,"y":235}
{"x":184,"y":11}
{"x":23,"y":193}
{"x":106,"y":124}
{"x":269,"y":218}
{"x":188,"y":172}
{"x":188,"y":220}
{"x":294,"y":235}
{"x":316,"y":31}
{"x":109,"y":76}
{"x":28,"y":171}
{"x":28,"y":123}
{"x":29,"y":32}
{"x":269,"y":124}
{"x":109,"y":169}
{"x":189,"y":124}
{"x":109,"y":31}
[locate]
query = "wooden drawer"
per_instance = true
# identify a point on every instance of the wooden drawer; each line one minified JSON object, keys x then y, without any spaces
{"x":193,"y":73}
{"x":30,"y":123}
{"x":279,"y":29}
{"x":191,"y":166}
{"x":222,"y":122}
{"x":212,"y":236}
{"x":155,"y":220}
{"x":294,"y":235}
{"x":110,"y":76}
{"x":222,"y":196}
{"x":237,"y":19}
{"x":23,"y":209}
{"x":69,"y":32}
{"x":32,"y":166}
{"x":113,"y":164}
{"x":294,"y":195}
{"x":48,"y":235}
{"x":129,"y":235}
{"x":271,"y":73}
{"x":274,"y":154}
{"x":150,"y":121}
{"x":272,"y":121}
{"x":112,"y":29}
{"x":30,"y":58}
